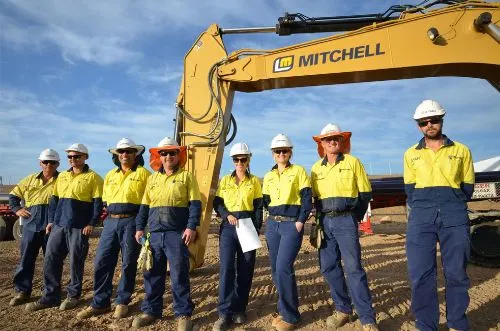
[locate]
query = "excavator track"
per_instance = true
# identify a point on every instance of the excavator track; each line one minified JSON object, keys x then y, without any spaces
{"x":485,"y":236}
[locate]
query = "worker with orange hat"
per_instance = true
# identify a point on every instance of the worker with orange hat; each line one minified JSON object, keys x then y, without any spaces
{"x":35,"y":190}
{"x":341,"y":192}
{"x":171,"y":208}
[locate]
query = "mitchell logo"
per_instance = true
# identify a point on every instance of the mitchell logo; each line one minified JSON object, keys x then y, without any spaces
{"x":283,"y":64}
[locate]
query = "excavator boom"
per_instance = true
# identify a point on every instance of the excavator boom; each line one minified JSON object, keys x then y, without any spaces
{"x":461,"y":39}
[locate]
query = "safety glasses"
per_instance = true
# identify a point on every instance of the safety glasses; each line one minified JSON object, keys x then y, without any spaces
{"x":125,"y":151}
{"x":49,"y":162}
{"x":76,"y":157}
{"x":281,"y":151}
{"x":240,"y":159}
{"x":432,"y":121}
{"x":333,"y":138}
{"x":170,"y":152}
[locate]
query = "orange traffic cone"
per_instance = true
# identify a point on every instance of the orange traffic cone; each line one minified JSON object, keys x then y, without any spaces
{"x":366,"y":224}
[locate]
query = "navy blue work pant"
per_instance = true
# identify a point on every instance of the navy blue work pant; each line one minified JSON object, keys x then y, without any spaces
{"x":236,"y":273}
{"x":284,"y":242}
{"x":31,"y":243}
{"x":118,"y":234}
{"x":342,"y":243}
{"x":454,"y":243}
{"x":62,"y":242}
{"x":168,"y":246}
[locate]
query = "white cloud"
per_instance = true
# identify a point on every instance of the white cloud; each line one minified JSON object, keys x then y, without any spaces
{"x":161,"y":75}
{"x":110,"y":107}
{"x":30,"y":124}
{"x":109,"y":32}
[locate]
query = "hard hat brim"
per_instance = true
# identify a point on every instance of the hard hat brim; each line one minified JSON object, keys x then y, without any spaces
{"x":155,"y":161}
{"x":49,"y":159}
{"x":346,"y":143}
{"x":75,"y":150}
{"x":139,"y":148}
{"x":346,"y":135}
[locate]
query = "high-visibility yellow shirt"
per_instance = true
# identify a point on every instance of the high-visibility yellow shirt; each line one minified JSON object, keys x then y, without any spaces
{"x":170,"y":202}
{"x":342,"y":186}
{"x":243,"y":200}
{"x":123,"y":192}
{"x":289,"y":193}
{"x":77,"y":199}
{"x":437,"y":179}
{"x":36,"y":196}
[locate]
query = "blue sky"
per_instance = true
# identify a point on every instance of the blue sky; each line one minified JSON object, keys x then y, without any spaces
{"x":96,"y":71}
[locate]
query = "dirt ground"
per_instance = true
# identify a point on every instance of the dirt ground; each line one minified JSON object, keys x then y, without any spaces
{"x":383,"y":257}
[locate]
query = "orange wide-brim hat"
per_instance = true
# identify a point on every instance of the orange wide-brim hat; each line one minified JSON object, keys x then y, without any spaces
{"x":155,"y":161}
{"x":346,"y":142}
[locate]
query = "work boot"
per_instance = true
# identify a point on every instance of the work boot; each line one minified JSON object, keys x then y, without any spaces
{"x":91,"y":311}
{"x":370,"y":327}
{"x":338,"y":319}
{"x":239,"y":318}
{"x":222,"y":324}
{"x":37,"y":305}
{"x":19,"y":298}
{"x":69,"y":303}
{"x":143,"y":320}
{"x":282,"y":325}
{"x":184,"y":323}
{"x":276,"y":319}
{"x":121,"y":311}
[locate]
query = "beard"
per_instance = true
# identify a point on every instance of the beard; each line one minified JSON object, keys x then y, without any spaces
{"x":433,"y":134}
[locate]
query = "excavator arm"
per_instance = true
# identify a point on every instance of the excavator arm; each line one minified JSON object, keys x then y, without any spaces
{"x":457,"y":40}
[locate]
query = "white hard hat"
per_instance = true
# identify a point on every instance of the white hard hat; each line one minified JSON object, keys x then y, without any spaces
{"x":331,"y":128}
{"x":76,"y":147}
{"x":281,"y":141}
{"x":127,"y":143}
{"x":168,"y":142}
{"x":49,"y":155}
{"x":428,"y":108}
{"x":240,"y":149}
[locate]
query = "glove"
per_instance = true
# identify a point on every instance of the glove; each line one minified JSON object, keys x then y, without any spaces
{"x":145,"y":261}
{"x":316,"y":236}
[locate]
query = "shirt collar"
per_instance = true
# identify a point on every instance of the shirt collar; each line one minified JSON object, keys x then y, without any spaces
{"x":247,"y":173}
{"x":134,"y":167}
{"x":446,"y":142}
{"x":40,"y":175}
{"x":162,"y":170}
{"x":85,"y":168}
{"x":340,"y":157}
{"x":276,"y":166}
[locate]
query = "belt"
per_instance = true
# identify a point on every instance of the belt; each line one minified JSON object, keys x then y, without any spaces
{"x":338,"y":213}
{"x":282,"y":218}
{"x":122,"y":215}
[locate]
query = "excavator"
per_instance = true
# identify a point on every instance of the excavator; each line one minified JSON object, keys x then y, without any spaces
{"x":439,"y":38}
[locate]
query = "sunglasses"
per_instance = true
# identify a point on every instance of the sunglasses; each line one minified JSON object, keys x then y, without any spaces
{"x":432,"y":121}
{"x":165,"y":153}
{"x":49,"y":162}
{"x":333,"y":138}
{"x":125,"y":151}
{"x":281,"y":151}
{"x":76,"y":157}
{"x":241,"y":159}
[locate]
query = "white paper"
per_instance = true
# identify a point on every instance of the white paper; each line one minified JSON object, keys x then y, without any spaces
{"x":247,"y":235}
